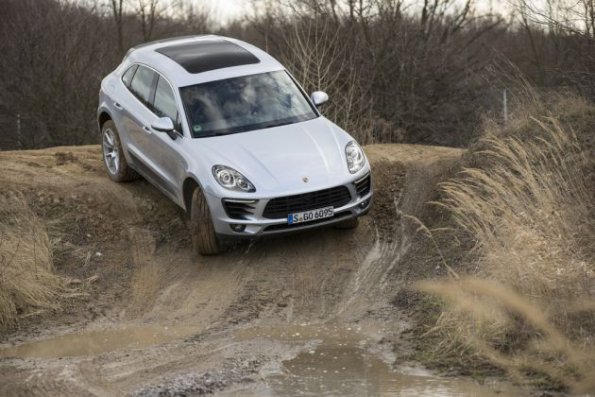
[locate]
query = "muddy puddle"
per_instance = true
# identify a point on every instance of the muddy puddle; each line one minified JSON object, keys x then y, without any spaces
{"x":339,"y":365}
{"x":334,"y":361}
{"x":89,"y":343}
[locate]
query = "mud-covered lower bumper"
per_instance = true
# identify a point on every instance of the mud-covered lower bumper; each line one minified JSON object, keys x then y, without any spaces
{"x":255,"y":222}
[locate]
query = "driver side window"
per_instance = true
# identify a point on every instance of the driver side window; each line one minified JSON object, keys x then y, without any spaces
{"x":165,"y":103}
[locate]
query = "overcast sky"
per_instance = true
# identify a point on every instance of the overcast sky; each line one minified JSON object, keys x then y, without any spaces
{"x":224,"y":10}
{"x":228,"y":9}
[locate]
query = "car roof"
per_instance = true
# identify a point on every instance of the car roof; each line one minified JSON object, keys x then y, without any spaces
{"x":193,"y":60}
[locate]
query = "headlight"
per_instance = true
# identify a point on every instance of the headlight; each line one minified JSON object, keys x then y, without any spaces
{"x":232,"y":179}
{"x":355,"y":157}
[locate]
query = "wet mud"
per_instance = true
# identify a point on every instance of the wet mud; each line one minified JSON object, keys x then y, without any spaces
{"x":303,"y":314}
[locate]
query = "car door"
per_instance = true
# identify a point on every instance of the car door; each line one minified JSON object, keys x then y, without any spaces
{"x":163,"y":148}
{"x":154,"y":154}
{"x":136,"y":114}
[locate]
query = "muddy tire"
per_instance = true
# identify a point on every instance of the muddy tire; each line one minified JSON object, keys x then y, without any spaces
{"x":113,"y":156}
{"x":351,"y":223}
{"x":204,"y":239}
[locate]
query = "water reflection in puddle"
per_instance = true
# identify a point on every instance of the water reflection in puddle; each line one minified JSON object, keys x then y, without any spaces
{"x":339,"y":367}
{"x":100,"y":341}
{"x":345,"y":371}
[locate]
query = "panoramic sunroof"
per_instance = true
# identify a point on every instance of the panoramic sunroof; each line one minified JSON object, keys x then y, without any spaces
{"x":204,"y":55}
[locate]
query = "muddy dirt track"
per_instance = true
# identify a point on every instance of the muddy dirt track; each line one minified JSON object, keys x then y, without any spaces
{"x":304,"y":314}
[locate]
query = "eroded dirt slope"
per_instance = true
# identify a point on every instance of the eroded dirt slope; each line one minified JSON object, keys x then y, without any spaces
{"x":129,"y":248}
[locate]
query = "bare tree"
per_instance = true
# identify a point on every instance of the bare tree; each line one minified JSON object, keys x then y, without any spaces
{"x":117,"y":12}
{"x":589,"y":16}
{"x":571,"y":16}
{"x":150,"y":12}
{"x":52,"y":63}
{"x":315,"y":54}
{"x":561,"y":35}
{"x":396,"y":70}
{"x":147,"y":10}
{"x":195,"y":17}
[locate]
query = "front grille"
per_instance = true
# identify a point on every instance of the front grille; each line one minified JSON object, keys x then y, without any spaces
{"x":363,"y":186}
{"x":282,"y":206}
{"x":239,"y":209}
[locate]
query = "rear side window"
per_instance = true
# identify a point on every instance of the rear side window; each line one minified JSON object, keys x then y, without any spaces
{"x":127,"y":76}
{"x":165,"y":104}
{"x":141,"y":84}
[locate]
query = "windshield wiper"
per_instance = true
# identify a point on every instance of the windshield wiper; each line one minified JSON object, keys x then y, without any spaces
{"x":277,"y":124}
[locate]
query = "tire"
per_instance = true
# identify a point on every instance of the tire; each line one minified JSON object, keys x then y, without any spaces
{"x":113,"y":156}
{"x":204,"y":239}
{"x":347,"y":224}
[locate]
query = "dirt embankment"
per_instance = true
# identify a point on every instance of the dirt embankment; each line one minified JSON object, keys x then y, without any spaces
{"x":168,"y":322}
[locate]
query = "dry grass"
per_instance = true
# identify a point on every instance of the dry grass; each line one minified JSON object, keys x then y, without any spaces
{"x":529,"y":211}
{"x":527,"y":304}
{"x":28,"y":285}
{"x":512,"y":331}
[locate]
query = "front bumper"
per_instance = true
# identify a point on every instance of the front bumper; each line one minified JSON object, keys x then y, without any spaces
{"x":255,"y":224}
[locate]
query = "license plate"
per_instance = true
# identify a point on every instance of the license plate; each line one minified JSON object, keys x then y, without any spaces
{"x":309,"y":216}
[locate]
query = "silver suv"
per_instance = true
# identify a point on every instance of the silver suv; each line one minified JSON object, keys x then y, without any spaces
{"x":222,"y":129}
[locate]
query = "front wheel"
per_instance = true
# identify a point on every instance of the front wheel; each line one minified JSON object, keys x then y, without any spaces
{"x":204,"y":239}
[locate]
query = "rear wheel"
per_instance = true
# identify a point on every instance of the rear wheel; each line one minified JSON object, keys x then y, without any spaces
{"x":204,"y":239}
{"x":351,"y":223}
{"x":113,"y":156}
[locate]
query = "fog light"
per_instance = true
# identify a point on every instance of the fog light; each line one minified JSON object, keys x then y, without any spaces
{"x":364,"y":204}
{"x":237,"y":228}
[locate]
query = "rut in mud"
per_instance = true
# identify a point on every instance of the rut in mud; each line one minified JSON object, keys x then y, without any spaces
{"x":160,"y":320}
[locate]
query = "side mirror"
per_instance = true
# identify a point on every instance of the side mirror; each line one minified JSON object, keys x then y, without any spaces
{"x":163,"y":124}
{"x":319,"y":97}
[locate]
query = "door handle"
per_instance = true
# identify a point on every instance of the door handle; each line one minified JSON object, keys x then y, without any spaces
{"x":118,"y":106}
{"x":147,"y":130}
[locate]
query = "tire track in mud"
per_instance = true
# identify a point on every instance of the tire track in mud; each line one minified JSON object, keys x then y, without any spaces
{"x":409,"y":185}
{"x":300,"y":278}
{"x":368,"y":287}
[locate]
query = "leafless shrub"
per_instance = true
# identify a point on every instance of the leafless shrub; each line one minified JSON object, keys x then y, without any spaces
{"x":55,"y":54}
{"x":398,"y":72}
{"x":314,"y":53}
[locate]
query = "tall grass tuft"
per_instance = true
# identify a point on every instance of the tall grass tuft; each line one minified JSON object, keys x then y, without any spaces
{"x":527,"y":305}
{"x":28,"y":285}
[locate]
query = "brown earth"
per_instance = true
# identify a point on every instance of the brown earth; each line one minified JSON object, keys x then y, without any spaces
{"x":157,"y":320}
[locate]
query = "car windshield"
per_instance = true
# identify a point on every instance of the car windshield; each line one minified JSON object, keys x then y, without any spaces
{"x":245,"y":103}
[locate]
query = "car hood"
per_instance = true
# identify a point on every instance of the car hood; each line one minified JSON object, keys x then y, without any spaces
{"x":293,"y":158}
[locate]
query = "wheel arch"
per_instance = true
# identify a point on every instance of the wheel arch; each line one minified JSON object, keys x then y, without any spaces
{"x":190,"y":184}
{"x":103,"y":117}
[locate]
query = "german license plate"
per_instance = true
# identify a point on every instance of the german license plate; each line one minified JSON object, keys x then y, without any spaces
{"x":309,"y":216}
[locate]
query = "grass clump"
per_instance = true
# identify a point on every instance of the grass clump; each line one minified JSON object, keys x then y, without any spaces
{"x":28,"y":285}
{"x":525,"y":303}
